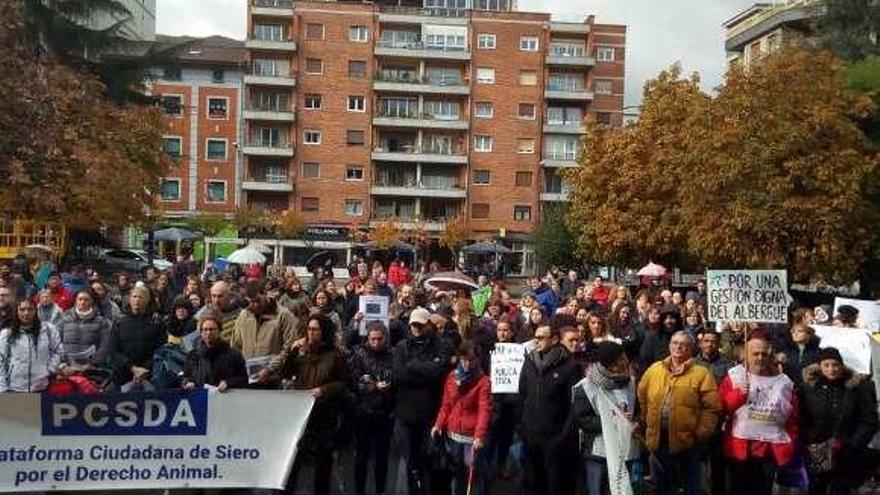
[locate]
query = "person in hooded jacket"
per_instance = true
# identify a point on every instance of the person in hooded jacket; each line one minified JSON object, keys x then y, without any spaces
{"x":180,"y":322}
{"x":544,"y":295}
{"x":549,"y":434}
{"x":104,"y":304}
{"x":82,"y":327}
{"x":465,"y":413}
{"x":47,"y":310}
{"x":802,"y":350}
{"x":838,"y":410}
{"x":420,"y":365}
{"x":656,"y":344}
{"x":30,"y":351}
{"x":372,"y":379}
{"x":213,"y":362}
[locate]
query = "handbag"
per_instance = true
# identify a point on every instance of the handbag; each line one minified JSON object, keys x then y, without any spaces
{"x":820,"y":457}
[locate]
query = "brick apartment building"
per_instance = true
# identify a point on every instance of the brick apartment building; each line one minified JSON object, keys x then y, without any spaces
{"x":355,"y":113}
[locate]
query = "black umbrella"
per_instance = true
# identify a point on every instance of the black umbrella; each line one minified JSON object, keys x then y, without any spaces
{"x":325,"y":259}
{"x":486,"y":247}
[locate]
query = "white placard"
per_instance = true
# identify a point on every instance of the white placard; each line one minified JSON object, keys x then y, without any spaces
{"x":854,"y":345}
{"x":173,"y":439}
{"x":869,"y":312}
{"x":506,"y":364}
{"x":759,"y":296}
{"x":373,"y":308}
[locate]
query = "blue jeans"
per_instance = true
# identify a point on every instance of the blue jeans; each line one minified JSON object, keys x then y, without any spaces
{"x":682,"y":469}
{"x":466,"y":458}
{"x":597,"y":475}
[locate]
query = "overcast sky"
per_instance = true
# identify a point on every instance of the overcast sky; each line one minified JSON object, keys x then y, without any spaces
{"x":660,"y":32}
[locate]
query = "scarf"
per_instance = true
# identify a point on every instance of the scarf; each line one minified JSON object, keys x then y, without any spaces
{"x":85,"y":315}
{"x":464,"y":377}
{"x":605,"y":379}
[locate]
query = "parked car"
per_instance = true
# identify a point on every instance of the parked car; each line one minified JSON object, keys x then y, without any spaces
{"x":131,"y":260}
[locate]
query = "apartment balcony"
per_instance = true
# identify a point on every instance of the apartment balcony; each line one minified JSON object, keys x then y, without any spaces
{"x":570,"y":61}
{"x":425,"y":122}
{"x":273,"y":8}
{"x":417,"y":49}
{"x":555,"y":196}
{"x":264,"y":148}
{"x":415,"y":86}
{"x":797,"y":14}
{"x":411,"y":223}
{"x":269,"y":113}
{"x":424,"y":156}
{"x":273,"y":45}
{"x":569,"y":28}
{"x":267,"y":78}
{"x":560,"y":159}
{"x":393,"y":14}
{"x":269,"y":183}
{"x":567,"y":92}
{"x":564,"y":128}
{"x":415,"y":190}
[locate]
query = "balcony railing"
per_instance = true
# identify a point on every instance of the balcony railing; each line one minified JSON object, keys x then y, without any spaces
{"x":254,"y":106}
{"x":566,"y":51}
{"x":417,"y":116}
{"x":430,"y":183}
{"x":569,"y":87}
{"x":411,"y":149}
{"x":560,"y":155}
{"x":418,"y":45}
{"x":280,"y":4}
{"x":415,"y":79}
{"x":432,"y":11}
{"x":267,"y":143}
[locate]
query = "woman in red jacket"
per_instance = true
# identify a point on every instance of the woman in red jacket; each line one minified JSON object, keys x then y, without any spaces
{"x":464,"y":416}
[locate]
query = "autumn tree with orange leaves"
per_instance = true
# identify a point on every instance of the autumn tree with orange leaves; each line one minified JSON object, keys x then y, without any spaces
{"x":772,"y":172}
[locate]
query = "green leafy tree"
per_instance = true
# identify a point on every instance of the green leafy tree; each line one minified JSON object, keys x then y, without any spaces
{"x":553,"y":241}
{"x":849,"y":28}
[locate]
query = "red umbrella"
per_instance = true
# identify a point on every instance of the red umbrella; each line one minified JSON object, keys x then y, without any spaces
{"x":652,"y":270}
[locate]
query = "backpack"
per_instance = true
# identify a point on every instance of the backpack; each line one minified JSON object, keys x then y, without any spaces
{"x":169,"y":362}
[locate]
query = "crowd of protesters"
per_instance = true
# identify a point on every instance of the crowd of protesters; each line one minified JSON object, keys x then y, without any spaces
{"x":735,"y":409}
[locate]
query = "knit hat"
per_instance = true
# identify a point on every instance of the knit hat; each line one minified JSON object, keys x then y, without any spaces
{"x":848,"y":312}
{"x":607,"y":353}
{"x":829,"y":353}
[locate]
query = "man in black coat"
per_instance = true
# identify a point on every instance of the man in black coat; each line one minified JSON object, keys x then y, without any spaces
{"x":420,"y":365}
{"x":547,"y":425}
{"x":656,"y":344}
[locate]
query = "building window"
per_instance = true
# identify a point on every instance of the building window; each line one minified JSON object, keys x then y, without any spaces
{"x":528,"y":78}
{"x":311,"y":170}
{"x":173,"y":104}
{"x":314,"y":31}
{"x":269,"y":32}
{"x":314,"y":66}
{"x":482,"y":177}
{"x":216,"y":149}
{"x":311,"y":136}
{"x":485,"y":75}
{"x":216,"y":191}
{"x":313,"y":101}
{"x":218,"y":76}
{"x":602,"y":87}
{"x":484,"y":110}
{"x":483,"y":143}
{"x":354,"y":172}
{"x":522,"y":213}
{"x":525,"y":146}
{"x":603,"y":118}
{"x":169,"y":189}
{"x":605,"y":53}
{"x":357,"y":34}
{"x":173,"y":147}
{"x":218,"y":108}
{"x":354,"y":137}
{"x":356,"y":104}
{"x":486,"y":41}
{"x":528,"y":43}
{"x":480,"y":210}
{"x":357,"y":68}
{"x":354,"y":207}
{"x":526,"y":111}
{"x":523,"y":179}
{"x":172,"y":74}
{"x":309,"y":204}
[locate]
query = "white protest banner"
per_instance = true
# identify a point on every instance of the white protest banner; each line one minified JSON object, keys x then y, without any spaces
{"x":174,"y":439}
{"x":869,"y":312}
{"x":507,"y":362}
{"x":854,"y":345}
{"x":617,"y":436}
{"x":759,"y":296}
{"x":373,"y":308}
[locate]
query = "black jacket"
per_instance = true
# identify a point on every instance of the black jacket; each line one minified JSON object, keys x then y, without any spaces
{"x":212,"y":365}
{"x":376,"y":364}
{"x":656,"y":344}
{"x":420,"y":365}
{"x":796,"y":360}
{"x":845,"y":408}
{"x":545,"y":388}
{"x":136,"y":338}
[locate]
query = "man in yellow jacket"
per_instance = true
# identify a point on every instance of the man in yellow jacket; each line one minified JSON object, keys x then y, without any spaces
{"x":679,"y":411}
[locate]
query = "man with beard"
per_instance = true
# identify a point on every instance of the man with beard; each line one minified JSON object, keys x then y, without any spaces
{"x":262,"y":328}
{"x":221,"y":303}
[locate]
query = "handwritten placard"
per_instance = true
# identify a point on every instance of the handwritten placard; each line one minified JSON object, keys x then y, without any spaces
{"x":507,"y":362}
{"x":759,"y":296}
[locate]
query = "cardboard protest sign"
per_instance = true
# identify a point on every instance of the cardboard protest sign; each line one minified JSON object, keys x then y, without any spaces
{"x":869,"y":312}
{"x":854,"y":345}
{"x":759,"y":296}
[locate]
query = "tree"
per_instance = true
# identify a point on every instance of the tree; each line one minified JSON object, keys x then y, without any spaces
{"x":454,"y":236}
{"x":554,"y":244}
{"x":287,"y":224}
{"x":385,"y":234}
{"x":773,"y":172}
{"x":849,"y":28}
{"x":207,"y":223}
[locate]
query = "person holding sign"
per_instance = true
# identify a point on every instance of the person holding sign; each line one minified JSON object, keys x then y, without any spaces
{"x":214,"y":362}
{"x":761,"y":408}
